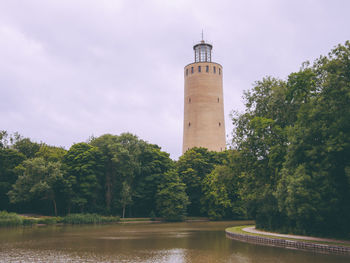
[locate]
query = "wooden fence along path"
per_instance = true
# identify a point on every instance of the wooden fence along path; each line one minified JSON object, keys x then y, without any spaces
{"x":291,"y":244}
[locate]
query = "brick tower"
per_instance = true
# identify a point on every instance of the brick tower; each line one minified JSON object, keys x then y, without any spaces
{"x":204,"y":123}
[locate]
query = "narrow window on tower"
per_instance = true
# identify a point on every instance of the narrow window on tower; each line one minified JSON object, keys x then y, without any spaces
{"x":199,"y":68}
{"x":214,"y":69}
{"x":219,"y":123}
{"x":189,"y":124}
{"x":186,"y":71}
{"x":189,"y":100}
{"x":218,"y":100}
{"x":219,"y":71}
{"x":191,"y":70}
{"x":207,"y":68}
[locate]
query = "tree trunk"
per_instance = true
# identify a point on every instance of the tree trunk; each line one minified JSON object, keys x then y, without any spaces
{"x":123,"y":211}
{"x":55,"y":206}
{"x":108,"y":189}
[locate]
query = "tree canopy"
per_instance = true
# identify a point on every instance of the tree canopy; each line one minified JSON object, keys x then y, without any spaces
{"x":294,"y":139}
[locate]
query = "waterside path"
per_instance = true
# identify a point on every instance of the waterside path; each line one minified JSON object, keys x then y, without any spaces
{"x":320,"y":245}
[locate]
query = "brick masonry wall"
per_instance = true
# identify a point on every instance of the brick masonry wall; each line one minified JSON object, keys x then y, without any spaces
{"x":204,"y":119}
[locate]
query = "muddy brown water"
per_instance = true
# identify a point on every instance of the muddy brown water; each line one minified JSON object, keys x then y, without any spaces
{"x":165,"y":242}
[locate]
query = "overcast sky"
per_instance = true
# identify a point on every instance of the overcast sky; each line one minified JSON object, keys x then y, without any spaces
{"x":71,"y":69}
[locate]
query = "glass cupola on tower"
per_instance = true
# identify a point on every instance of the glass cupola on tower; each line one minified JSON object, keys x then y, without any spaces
{"x":202,"y":52}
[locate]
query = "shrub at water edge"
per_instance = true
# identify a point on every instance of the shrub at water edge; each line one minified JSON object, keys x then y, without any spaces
{"x":10,"y":219}
{"x":89,"y":219}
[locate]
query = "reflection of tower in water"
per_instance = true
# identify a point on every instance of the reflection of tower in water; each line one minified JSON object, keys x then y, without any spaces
{"x":204,"y":123}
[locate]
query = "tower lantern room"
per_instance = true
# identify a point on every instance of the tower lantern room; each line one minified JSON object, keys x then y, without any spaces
{"x":202,"y":52}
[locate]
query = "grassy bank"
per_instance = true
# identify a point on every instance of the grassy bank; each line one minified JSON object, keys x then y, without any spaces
{"x":10,"y":219}
{"x":13,"y":219}
{"x":76,"y":219}
{"x":239,"y":230}
{"x":137,"y":219}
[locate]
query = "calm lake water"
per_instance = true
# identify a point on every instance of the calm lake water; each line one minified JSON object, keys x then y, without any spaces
{"x":170,"y":242}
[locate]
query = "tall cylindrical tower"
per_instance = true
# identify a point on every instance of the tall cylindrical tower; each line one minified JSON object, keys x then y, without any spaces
{"x":204,"y":123}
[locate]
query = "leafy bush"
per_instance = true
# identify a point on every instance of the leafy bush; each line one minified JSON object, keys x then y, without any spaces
{"x":29,"y":221}
{"x":110,"y":219}
{"x":10,"y":219}
{"x":89,"y":219}
{"x":47,"y":220}
{"x":13,"y":219}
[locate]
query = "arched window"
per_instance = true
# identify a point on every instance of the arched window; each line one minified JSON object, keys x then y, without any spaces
{"x":214,"y":69}
{"x":191,"y":70}
{"x":189,"y":100}
{"x":219,"y":71}
{"x":187,"y":72}
{"x":218,"y":100}
{"x":207,"y":68}
{"x":189,"y":124}
{"x":199,"y":68}
{"x":219,"y":123}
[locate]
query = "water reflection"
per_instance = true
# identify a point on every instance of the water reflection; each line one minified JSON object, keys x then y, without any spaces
{"x":177,"y":242}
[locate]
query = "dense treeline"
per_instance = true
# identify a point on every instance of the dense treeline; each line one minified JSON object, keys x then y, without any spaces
{"x":108,"y":175}
{"x":111,"y":175}
{"x":293,"y":149}
{"x":288,"y":167}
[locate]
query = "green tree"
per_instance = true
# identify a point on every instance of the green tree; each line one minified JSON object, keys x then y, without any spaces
{"x":222,"y":189}
{"x":316,"y":170}
{"x":153,"y":163}
{"x":292,"y":140}
{"x":192,"y":168}
{"x":125,"y":197}
{"x":135,"y":164}
{"x":261,"y":139}
{"x":171,"y":198}
{"x":121,"y":164}
{"x":83,"y":170}
{"x":26,"y":146}
{"x":215,"y":199}
{"x":51,"y":153}
{"x":3,"y":139}
{"x":9,"y":160}
{"x":108,"y":145}
{"x":38,"y":180}
{"x":261,"y":136}
{"x":298,"y":198}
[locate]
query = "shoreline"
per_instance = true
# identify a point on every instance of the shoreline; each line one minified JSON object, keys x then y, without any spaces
{"x":11,"y":219}
{"x":305,"y":243}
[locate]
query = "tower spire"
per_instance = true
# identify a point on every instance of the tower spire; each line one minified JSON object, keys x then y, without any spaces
{"x":202,"y":36}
